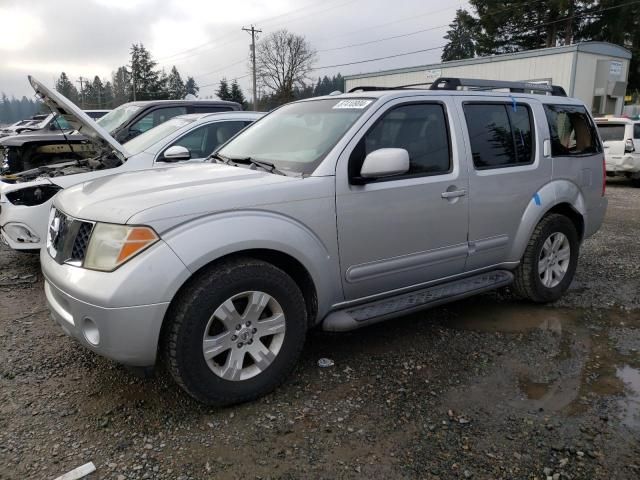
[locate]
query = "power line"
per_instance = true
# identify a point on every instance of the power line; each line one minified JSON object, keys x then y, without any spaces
{"x":379,"y":58}
{"x":212,"y":42}
{"x":221,"y":68}
{"x":382,"y":39}
{"x":216,"y":83}
{"x":404,"y":19}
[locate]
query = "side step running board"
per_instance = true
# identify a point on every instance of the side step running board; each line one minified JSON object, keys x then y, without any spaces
{"x":377,"y":311}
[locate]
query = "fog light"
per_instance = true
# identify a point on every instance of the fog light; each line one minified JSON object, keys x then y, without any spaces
{"x":90,"y":331}
{"x":20,"y":233}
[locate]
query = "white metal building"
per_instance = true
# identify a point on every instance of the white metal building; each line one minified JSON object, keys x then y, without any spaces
{"x":595,"y":72}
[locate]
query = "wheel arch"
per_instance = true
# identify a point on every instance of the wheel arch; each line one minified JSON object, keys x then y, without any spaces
{"x":273,"y":238}
{"x":560,"y":196}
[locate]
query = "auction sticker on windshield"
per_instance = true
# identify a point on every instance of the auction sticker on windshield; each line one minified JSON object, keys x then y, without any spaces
{"x":357,"y":104}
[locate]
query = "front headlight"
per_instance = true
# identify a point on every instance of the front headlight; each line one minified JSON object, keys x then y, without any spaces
{"x":112,"y":245}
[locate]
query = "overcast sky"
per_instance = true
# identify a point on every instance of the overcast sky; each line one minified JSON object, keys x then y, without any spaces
{"x":203,"y":38}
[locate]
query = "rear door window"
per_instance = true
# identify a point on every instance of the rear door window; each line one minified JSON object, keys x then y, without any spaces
{"x":501,"y":135}
{"x":202,"y":141}
{"x":611,"y":131}
{"x":636,"y":131}
{"x":572,"y":131}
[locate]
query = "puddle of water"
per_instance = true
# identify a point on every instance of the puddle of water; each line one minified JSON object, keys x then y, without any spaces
{"x":584,"y":357}
{"x":631,"y":403}
{"x":512,"y":317}
{"x":533,"y":390}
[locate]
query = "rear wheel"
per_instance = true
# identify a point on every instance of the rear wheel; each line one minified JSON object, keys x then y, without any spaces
{"x":235,"y":332}
{"x":550,"y":260}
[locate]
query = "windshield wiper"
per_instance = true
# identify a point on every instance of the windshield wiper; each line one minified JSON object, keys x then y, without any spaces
{"x":217,"y":156}
{"x":268,"y":166}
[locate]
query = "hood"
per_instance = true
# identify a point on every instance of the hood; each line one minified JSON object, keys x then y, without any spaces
{"x":79,"y":120}
{"x":195,"y":189}
{"x":38,"y":136}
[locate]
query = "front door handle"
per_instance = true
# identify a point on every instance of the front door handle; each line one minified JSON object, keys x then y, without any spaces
{"x":454,"y":194}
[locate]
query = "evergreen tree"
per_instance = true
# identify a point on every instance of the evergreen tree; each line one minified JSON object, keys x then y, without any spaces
{"x":107,"y":96}
{"x":461,"y":36}
{"x":67,"y":88}
{"x":94,"y":95}
{"x":163,"y":86}
{"x":145,"y":77}
{"x":121,"y":80}
{"x":223,"y":92}
{"x":236,"y":94}
{"x":191,"y":87}
{"x":175,"y":85}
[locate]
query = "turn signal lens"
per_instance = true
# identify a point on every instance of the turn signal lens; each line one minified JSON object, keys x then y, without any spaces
{"x":112,"y":245}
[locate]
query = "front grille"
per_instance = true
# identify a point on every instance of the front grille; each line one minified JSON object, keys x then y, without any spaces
{"x":68,"y":238}
{"x":81,"y":242}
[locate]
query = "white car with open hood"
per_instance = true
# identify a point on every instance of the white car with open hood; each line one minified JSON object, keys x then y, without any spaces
{"x":25,"y":197}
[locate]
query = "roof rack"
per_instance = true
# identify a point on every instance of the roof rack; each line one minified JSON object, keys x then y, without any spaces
{"x":450,"y":83}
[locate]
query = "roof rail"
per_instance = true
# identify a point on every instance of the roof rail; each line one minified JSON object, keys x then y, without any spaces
{"x":450,"y":83}
{"x":366,"y":88}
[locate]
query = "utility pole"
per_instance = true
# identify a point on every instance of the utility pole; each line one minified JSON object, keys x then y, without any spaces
{"x":80,"y":81}
{"x":253,"y":32}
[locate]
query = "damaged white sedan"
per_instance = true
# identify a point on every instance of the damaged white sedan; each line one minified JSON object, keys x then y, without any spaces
{"x":25,"y":197}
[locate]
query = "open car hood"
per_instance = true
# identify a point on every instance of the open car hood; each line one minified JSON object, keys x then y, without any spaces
{"x":79,"y":120}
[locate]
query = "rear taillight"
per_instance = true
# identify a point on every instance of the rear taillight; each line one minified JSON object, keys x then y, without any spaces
{"x":629,"y":146}
{"x":604,"y":177}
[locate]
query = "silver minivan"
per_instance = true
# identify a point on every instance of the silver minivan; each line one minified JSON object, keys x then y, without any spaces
{"x":334,"y":212}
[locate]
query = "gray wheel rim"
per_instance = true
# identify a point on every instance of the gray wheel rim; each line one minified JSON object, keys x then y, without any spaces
{"x":238,"y":345}
{"x":554,"y":260}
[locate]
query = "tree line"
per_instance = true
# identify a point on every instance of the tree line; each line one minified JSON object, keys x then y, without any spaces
{"x":14,"y":109}
{"x":140,"y":79}
{"x":493,"y":27}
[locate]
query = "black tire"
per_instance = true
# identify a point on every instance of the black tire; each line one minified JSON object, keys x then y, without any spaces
{"x":635,"y":182}
{"x":527,"y":283}
{"x":189,"y":315}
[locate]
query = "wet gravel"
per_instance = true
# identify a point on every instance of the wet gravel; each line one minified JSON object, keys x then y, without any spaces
{"x":488,"y":388}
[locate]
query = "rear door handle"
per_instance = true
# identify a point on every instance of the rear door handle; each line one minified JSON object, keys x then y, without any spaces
{"x":454,"y":194}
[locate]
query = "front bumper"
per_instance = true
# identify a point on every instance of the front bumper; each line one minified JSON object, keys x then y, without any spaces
{"x":116,"y":314}
{"x":128,"y":335}
{"x":24,"y":227}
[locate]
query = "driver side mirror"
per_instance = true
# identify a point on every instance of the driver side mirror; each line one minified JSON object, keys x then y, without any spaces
{"x":385,"y":162}
{"x":175,"y":154}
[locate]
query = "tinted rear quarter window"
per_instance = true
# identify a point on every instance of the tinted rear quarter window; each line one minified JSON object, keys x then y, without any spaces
{"x":572,"y":131}
{"x":611,"y":131}
{"x":500,"y":135}
{"x":636,"y":131}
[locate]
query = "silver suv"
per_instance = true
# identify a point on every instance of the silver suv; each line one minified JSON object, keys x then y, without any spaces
{"x":336,"y":212}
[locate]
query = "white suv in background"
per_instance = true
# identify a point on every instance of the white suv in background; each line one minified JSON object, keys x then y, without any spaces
{"x":621,"y":139}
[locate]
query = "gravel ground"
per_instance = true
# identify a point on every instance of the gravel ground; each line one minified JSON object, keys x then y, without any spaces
{"x":488,"y":388}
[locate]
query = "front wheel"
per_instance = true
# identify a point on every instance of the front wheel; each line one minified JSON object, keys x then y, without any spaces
{"x":550,"y":260}
{"x":235,"y":332}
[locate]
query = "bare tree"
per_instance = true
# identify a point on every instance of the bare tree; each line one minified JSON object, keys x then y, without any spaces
{"x":283,"y":60}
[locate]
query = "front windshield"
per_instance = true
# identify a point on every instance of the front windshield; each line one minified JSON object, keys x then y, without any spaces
{"x":112,"y":120}
{"x":154,"y":135}
{"x":298,"y":136}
